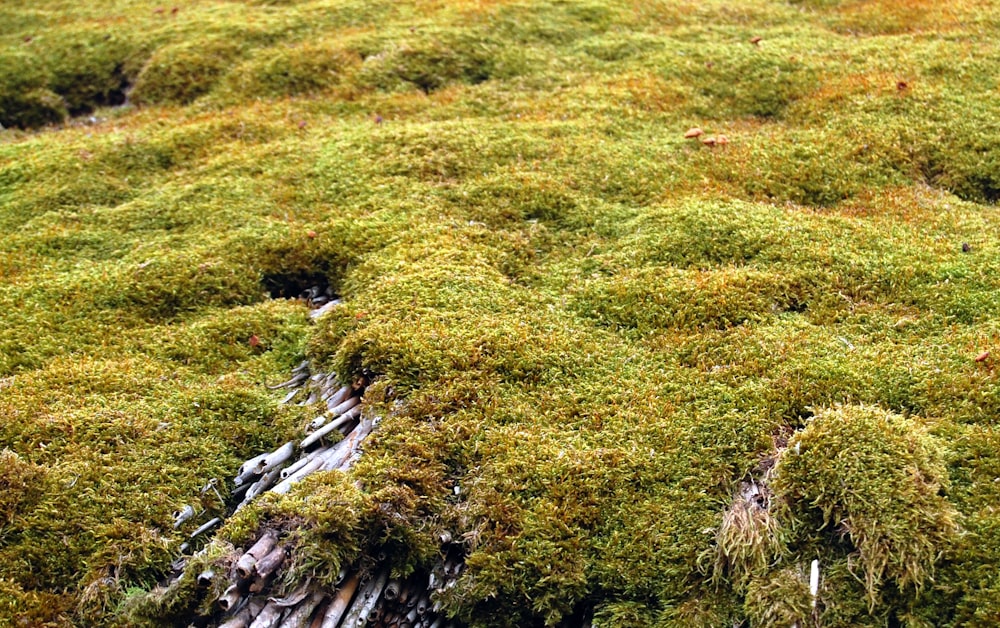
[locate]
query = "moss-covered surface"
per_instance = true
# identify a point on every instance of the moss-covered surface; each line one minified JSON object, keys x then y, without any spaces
{"x":599,"y":330}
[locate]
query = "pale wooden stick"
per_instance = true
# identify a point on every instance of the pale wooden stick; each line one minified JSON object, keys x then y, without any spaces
{"x":339,"y":605}
{"x":299,"y":617}
{"x":260,"y":549}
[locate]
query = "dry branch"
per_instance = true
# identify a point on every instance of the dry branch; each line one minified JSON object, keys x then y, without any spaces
{"x":260,"y":549}
{"x":340,"y":603}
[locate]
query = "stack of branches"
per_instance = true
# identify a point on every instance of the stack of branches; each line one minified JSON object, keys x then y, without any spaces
{"x":244,"y":585}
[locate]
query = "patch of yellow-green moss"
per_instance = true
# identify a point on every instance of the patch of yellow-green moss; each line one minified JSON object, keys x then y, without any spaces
{"x":586,"y":331}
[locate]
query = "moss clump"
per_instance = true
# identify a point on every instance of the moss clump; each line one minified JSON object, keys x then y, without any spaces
{"x":177,"y":601}
{"x":780,"y":598}
{"x":46,"y":81}
{"x":21,"y":483}
{"x":633,"y":614}
{"x":25,"y":99}
{"x":36,"y":107}
{"x":750,"y":81}
{"x":180,"y":73}
{"x":427,"y":61}
{"x":90,"y":68}
{"x":33,"y":607}
{"x":293,"y":70}
{"x":964,"y":160}
{"x":749,"y":539}
{"x":877,"y":480}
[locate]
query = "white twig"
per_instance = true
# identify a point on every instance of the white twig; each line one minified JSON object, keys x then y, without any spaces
{"x":814,"y":582}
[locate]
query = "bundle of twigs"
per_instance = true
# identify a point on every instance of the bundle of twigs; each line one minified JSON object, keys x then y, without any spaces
{"x":332,"y":441}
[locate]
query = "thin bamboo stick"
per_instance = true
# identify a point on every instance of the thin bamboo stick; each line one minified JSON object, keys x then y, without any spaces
{"x":266,"y":565}
{"x":245,"y":615}
{"x":340,"y":603}
{"x":261,"y":485}
{"x":327,"y":429}
{"x":269,"y":616}
{"x":346,"y":405}
{"x":205,"y":578}
{"x":338,"y":397}
{"x":182,"y":515}
{"x":366,"y":600}
{"x":229,"y":598}
{"x":299,"y":617}
{"x":249,"y":469}
{"x":276,"y":458}
{"x":260,"y":549}
{"x":206,"y":527}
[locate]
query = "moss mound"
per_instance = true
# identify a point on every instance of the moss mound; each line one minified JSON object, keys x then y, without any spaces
{"x":25,"y":101}
{"x":878,"y":481}
{"x":180,"y":73}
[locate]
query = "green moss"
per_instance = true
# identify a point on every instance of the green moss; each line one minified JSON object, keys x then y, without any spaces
{"x":428,"y":62}
{"x":176,"y":601}
{"x":41,"y":607}
{"x":875,"y":479}
{"x":768,"y":81}
{"x":90,"y":68}
{"x":22,"y":483}
{"x":624,"y":614}
{"x":595,"y":329}
{"x":180,"y":73}
{"x":748,"y":541}
{"x":25,"y":100}
{"x":842,"y":599}
{"x":305,"y":68}
{"x":780,"y":598}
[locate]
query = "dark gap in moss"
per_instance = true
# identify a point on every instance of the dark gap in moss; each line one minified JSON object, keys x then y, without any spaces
{"x":797,"y":416}
{"x":113,"y":97}
{"x":794,"y":305}
{"x":311,"y":286}
{"x":582,"y":615}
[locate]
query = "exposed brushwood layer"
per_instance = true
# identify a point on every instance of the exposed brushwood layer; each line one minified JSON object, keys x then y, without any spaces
{"x":241,"y":593}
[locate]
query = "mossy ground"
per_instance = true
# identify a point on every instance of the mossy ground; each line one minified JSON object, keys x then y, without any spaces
{"x":598,"y":327}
